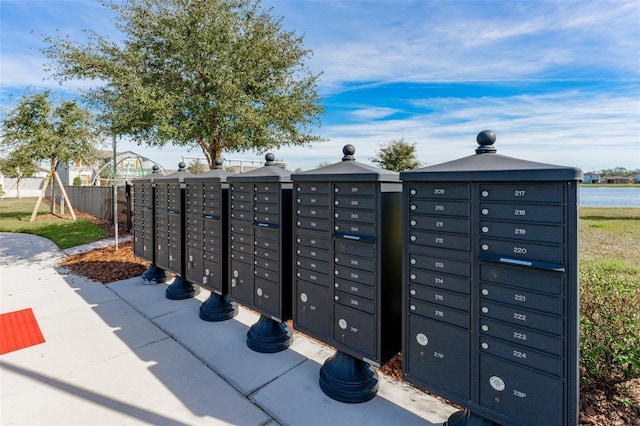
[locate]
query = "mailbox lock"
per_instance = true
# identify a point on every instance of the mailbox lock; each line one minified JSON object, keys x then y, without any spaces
{"x":413,"y":292}
{"x":342,"y":324}
{"x":485,"y":345}
{"x":414,"y":223}
{"x":485,"y":211}
{"x":235,"y":273}
{"x":337,"y":259}
{"x":497,"y":383}
{"x":413,"y":238}
{"x":485,"y":327}
{"x":485,"y":310}
{"x":413,"y":207}
{"x":190,"y":258}
{"x":485,"y":229}
{"x":170,"y":257}
{"x":485,"y":193}
{"x":259,"y":291}
{"x":413,"y":276}
{"x":485,"y":292}
{"x":303,"y":297}
{"x":413,"y":192}
{"x":413,"y":261}
{"x":336,"y":297}
{"x":206,"y":271}
{"x":422,"y":339}
{"x":413,"y":307}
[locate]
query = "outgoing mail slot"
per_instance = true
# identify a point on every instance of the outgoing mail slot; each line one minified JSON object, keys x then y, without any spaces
{"x":450,"y":241}
{"x":521,"y":298}
{"x":440,"y":207}
{"x":437,"y":353}
{"x":537,"y":280}
{"x":523,"y":192}
{"x":523,"y":250}
{"x":522,"y":212}
{"x":439,"y":223}
{"x":439,"y":280}
{"x":354,"y":248}
{"x":439,"y":191}
{"x":522,"y":231}
{"x":440,"y":297}
{"x":522,"y":336}
{"x":521,"y":317}
{"x":366,"y":291}
{"x":440,"y":313}
{"x":355,"y":302}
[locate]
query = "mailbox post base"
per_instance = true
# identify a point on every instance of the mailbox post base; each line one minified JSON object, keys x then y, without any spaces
{"x":467,"y":418}
{"x":155,"y":275}
{"x":348,"y":379}
{"x":218,"y":308}
{"x":268,"y":335}
{"x":180,"y":289}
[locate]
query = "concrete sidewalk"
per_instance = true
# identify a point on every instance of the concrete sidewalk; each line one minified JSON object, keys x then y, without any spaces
{"x":124,"y":354}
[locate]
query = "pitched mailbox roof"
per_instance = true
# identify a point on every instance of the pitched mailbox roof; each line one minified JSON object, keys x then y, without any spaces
{"x":179,"y":176}
{"x":149,"y":177}
{"x":349,"y":170}
{"x":216,"y":174}
{"x":487,"y":165}
{"x":268,"y":173}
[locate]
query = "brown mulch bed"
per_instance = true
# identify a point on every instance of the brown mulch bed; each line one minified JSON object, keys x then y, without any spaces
{"x":599,"y":405}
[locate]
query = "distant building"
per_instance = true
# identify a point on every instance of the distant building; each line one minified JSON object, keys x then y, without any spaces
{"x":618,"y":179}
{"x":591,"y":177}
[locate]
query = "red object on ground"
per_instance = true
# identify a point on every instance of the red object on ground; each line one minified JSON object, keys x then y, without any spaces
{"x":18,"y":330}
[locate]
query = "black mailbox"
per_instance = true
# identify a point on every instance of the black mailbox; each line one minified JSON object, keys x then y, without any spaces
{"x":170,"y":231}
{"x":207,"y":242}
{"x":260,"y":252}
{"x":490,"y":287}
{"x":144,"y":230}
{"x":348,"y":275}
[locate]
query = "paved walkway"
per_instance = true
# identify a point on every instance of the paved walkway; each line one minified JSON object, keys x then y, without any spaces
{"x":123,"y":354}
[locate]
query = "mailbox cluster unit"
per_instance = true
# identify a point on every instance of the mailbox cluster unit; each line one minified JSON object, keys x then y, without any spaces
{"x":170,"y":231}
{"x":490,"y":286}
{"x":260,"y":252}
{"x":468,"y":267}
{"x":207,"y":233}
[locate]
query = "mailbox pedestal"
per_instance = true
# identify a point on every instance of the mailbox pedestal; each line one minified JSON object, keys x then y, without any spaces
{"x":347,"y":263}
{"x":260,"y":252}
{"x":490,"y":287}
{"x":144,"y":231}
{"x":170,"y":232}
{"x":208,"y":240}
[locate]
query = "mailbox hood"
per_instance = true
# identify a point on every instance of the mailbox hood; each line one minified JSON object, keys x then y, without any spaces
{"x":348,"y":170}
{"x":268,"y":173}
{"x":487,"y":165}
{"x":175,"y":176}
{"x":216,"y":174}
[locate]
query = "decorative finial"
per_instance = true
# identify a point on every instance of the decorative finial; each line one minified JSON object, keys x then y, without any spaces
{"x":270,"y":159}
{"x":181,"y":166}
{"x":217,"y":163}
{"x":486,"y":139}
{"x":155,"y":169}
{"x":348,"y":152}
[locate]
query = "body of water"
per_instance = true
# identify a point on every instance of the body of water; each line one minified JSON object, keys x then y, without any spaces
{"x":602,"y":196}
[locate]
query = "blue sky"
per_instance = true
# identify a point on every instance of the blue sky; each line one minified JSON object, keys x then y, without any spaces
{"x":557,"y":81}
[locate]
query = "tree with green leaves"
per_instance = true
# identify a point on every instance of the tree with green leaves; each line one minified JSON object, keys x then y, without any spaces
{"x":397,"y":156}
{"x":44,"y":132}
{"x":18,"y":165}
{"x":217,"y":74}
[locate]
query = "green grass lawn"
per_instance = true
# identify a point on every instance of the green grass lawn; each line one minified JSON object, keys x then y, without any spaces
{"x":64,"y":231}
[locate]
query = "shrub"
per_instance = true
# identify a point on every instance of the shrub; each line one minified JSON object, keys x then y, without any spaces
{"x":77,"y":181}
{"x":609,"y":326}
